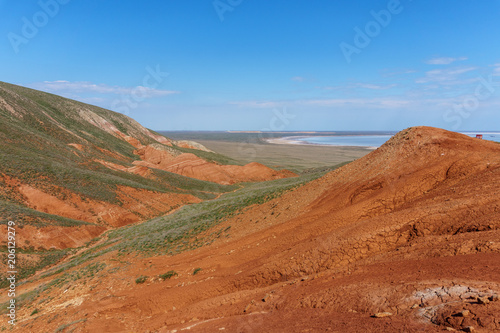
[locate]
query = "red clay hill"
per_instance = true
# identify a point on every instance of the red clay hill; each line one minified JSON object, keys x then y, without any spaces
{"x":405,"y":239}
{"x":189,"y":165}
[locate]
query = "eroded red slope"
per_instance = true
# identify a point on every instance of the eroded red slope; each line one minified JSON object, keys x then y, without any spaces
{"x":190,"y":165}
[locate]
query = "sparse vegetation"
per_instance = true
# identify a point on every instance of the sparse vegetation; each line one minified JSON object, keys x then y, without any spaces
{"x":38,"y":134}
{"x":196,"y":270}
{"x":34,"y":149}
{"x":168,"y":275}
{"x":177,"y":232}
{"x":141,"y":279}
{"x":28,"y":268}
{"x":65,"y":326}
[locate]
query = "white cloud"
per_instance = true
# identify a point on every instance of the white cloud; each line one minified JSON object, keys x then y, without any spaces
{"x":374,"y":86}
{"x":370,"y":86}
{"x":257,"y":104}
{"x":444,"y":60}
{"x":298,"y":78}
{"x":76,"y":87}
{"x":387,"y":73}
{"x":496,"y":70}
{"x":447,"y":76}
{"x":376,"y":103}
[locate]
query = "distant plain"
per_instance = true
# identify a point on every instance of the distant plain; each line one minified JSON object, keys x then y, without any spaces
{"x":247,"y":147}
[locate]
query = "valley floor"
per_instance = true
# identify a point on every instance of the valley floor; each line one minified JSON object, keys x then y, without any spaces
{"x":291,"y":157}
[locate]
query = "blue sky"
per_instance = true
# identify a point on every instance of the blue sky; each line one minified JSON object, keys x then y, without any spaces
{"x":235,"y":64}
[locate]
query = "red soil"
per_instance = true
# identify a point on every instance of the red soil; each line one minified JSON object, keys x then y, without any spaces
{"x":412,"y":229}
{"x":183,"y":144}
{"x":76,"y":145}
{"x":139,"y":170}
{"x":54,"y":237}
{"x":137,"y":205}
{"x":190,"y":165}
{"x":133,"y":141}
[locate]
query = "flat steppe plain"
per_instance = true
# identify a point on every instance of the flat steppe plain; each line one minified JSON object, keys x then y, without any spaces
{"x":253,"y":147}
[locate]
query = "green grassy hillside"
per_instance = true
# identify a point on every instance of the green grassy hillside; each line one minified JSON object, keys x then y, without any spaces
{"x":36,"y":130}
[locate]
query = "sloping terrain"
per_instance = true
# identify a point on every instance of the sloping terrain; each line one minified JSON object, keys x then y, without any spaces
{"x":190,"y":165}
{"x":405,"y":239}
{"x":70,"y":171}
{"x":66,"y":164}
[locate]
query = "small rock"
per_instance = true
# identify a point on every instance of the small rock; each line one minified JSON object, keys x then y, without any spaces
{"x":464,"y":313}
{"x":414,"y":306}
{"x":494,"y":298}
{"x":247,"y":308}
{"x":483,"y":300}
{"x":469,"y":329}
{"x":266,"y":298}
{"x":382,"y":314}
{"x":451,"y":329}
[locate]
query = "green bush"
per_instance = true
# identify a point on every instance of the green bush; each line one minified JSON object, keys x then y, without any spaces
{"x":168,"y":275}
{"x":196,"y":270}
{"x":141,"y":279}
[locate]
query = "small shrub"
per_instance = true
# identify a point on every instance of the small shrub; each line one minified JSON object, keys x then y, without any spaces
{"x":63,"y":327}
{"x":168,"y":275}
{"x":34,"y":312}
{"x":141,"y":279}
{"x":196,"y":270}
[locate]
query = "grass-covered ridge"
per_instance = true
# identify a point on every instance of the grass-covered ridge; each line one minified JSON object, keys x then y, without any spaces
{"x":177,"y":232}
{"x":190,"y":227}
{"x":50,"y":142}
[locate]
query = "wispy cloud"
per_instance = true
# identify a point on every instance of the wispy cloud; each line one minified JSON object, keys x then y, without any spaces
{"x":77,"y":87}
{"x":447,"y":76}
{"x":375,"y":86}
{"x":444,"y":60}
{"x":496,"y":70}
{"x":257,"y":104}
{"x":387,"y":72}
{"x":376,"y":103}
{"x":362,"y":85}
{"x":298,"y":78}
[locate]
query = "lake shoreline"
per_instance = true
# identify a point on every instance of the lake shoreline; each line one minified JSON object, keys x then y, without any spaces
{"x":293,"y":140}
